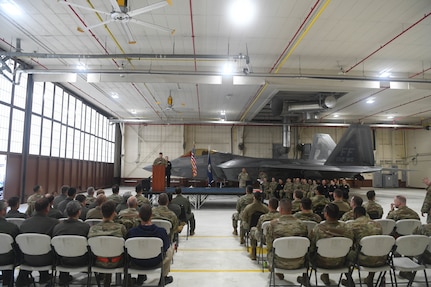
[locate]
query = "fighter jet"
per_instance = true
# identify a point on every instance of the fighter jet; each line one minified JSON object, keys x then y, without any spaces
{"x":349,"y":158}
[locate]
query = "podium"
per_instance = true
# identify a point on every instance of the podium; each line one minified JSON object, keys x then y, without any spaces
{"x":158,"y":184}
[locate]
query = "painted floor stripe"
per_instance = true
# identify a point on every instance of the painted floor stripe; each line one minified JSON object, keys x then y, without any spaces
{"x":217,"y":271}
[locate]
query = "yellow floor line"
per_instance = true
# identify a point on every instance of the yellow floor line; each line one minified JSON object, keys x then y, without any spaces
{"x":217,"y":271}
{"x":208,"y":249}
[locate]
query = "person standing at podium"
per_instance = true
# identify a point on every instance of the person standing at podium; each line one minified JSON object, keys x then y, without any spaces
{"x":160,"y":160}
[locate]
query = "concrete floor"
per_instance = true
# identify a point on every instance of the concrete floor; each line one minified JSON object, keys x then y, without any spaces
{"x":214,"y":257}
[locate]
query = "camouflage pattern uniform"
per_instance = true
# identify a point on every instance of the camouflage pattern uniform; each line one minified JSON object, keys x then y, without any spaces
{"x":318,"y":202}
{"x":305,"y":187}
{"x":256,"y":232}
{"x":426,"y":206}
{"x":115,"y":198}
{"x":273,"y":187}
{"x":361,"y":227}
{"x":424,"y":229}
{"x":142,"y":199}
{"x":312,"y":190}
{"x":285,"y":226}
{"x":248,"y":212}
{"x":328,"y":229}
{"x":343,"y":206}
{"x":308,"y":216}
{"x":297,"y":184}
{"x":129,"y":217}
{"x":242,"y":202}
{"x":95,"y":213}
{"x":288,"y":190}
{"x":373,"y":207}
{"x":402,"y":212}
{"x":266,"y":189}
{"x":89,"y":200}
{"x":348,"y":216}
{"x":163,"y":212}
{"x":160,"y":161}
{"x":242,"y":178}
{"x":31,"y":201}
{"x":296,"y":205}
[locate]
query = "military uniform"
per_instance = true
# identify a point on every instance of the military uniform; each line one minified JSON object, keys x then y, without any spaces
{"x":256,"y":232}
{"x":426,"y":206}
{"x":424,"y":229}
{"x":31,"y":201}
{"x":89,"y":200}
{"x":272,"y":187}
{"x":142,"y":199}
{"x":129,"y":217}
{"x":95,"y":213}
{"x":361,"y":227}
{"x":183,"y":201}
{"x":373,"y":207}
{"x":163,"y":212}
{"x":160,"y":161}
{"x":248,"y":212}
{"x":15,"y":214}
{"x":285,"y":226}
{"x":288,"y":190}
{"x":266,"y":189}
{"x":318,"y":202}
{"x":242,"y":178}
{"x":402,"y":212}
{"x":115,"y":198}
{"x":241,"y":203}
{"x":296,"y":205}
{"x":328,"y":229}
{"x":343,"y":207}
{"x":310,"y":216}
{"x":312,"y":190}
{"x":349,"y":215}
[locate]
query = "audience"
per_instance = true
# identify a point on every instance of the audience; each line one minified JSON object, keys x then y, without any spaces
{"x":241,"y":203}
{"x":14,"y":212}
{"x":399,"y":210}
{"x":374,"y":210}
{"x":183,"y":201}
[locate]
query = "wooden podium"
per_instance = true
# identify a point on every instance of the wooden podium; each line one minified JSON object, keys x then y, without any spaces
{"x":158,"y":184}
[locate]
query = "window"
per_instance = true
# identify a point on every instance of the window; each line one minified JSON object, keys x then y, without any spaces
{"x":63,"y":141}
{"x":17,"y":131}
{"x":56,"y":133}
{"x":4,"y":127}
{"x":46,"y":137}
{"x":78,"y":114}
{"x":35,"y":135}
{"x":20,"y":94}
{"x":71,"y":115}
{"x":69,"y":142}
{"x":65,"y":108}
{"x":77,"y":145}
{"x":37,"y":98}
{"x":58,"y":103}
{"x":5,"y":90}
{"x":48,"y":100}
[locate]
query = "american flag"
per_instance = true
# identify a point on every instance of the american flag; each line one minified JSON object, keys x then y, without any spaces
{"x":193,"y":162}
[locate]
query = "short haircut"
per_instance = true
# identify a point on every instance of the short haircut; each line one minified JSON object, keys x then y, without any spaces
{"x":100,"y":199}
{"x":331,"y":210}
{"x":145,"y":212}
{"x":90,"y":190}
{"x":273,"y":203}
{"x":13,"y":201}
{"x":285,"y":204}
{"x":163,"y":199}
{"x":371,"y":194}
{"x":138,"y":188}
{"x":178,"y":190}
{"x":359,"y":211}
{"x":249,"y":189}
{"x":257,"y":195}
{"x":338,"y":192}
{"x":306,"y":203}
{"x":115,"y":189}
{"x":41,"y":204}
{"x":71,"y":191}
{"x":100,"y":191}
{"x":50,"y":197}
{"x":108,"y":208}
{"x":36,"y":188}
{"x":72,"y":208}
{"x":3,"y":205}
{"x":132,"y":201}
{"x":126,"y":195}
{"x":81,"y":198}
{"x":299,"y":194}
{"x":402,"y":199}
{"x":357,"y":200}
{"x":170,"y":196}
{"x":64,"y":189}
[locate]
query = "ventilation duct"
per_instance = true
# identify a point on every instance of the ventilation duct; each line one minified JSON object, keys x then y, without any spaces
{"x":286,"y":135}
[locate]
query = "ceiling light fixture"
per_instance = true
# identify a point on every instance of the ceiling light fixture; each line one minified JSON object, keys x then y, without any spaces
{"x":10,"y":8}
{"x":223,"y":113}
{"x":370,"y":101}
{"x":228,"y":68}
{"x":336,"y":116}
{"x":242,"y":12}
{"x":114,"y":95}
{"x":390,"y":117}
{"x":133,"y":112}
{"x":385,"y":74}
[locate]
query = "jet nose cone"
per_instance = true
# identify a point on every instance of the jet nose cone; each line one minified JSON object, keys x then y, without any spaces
{"x":148,"y":168}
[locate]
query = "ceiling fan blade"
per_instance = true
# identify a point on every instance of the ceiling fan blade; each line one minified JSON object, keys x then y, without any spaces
{"x":126,"y":29}
{"x":153,"y":26}
{"x":147,"y":8}
{"x":84,"y":7}
{"x":94,"y":26}
{"x":115,"y":6}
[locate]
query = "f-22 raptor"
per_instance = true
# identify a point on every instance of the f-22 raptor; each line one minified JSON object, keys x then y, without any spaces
{"x":349,"y":158}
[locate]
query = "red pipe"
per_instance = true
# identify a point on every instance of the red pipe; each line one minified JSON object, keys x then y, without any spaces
{"x":387,"y":43}
{"x":194,"y":53}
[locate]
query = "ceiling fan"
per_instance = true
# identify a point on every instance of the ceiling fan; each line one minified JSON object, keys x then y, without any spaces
{"x":120,"y":13}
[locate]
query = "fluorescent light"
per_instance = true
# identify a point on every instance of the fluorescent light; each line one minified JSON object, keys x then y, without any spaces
{"x":336,"y":116}
{"x":228,"y":68}
{"x":390,"y":117}
{"x":370,"y":101}
{"x":133,"y":112}
{"x":223,"y":113}
{"x":242,"y":12}
{"x":385,"y":74}
{"x":114,"y":95}
{"x":10,"y":8}
{"x":81,"y":67}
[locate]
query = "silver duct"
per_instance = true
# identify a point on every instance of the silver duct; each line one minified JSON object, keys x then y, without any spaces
{"x":286,"y":135}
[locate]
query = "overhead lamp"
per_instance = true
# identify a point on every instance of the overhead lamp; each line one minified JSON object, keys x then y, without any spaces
{"x":114,"y":95}
{"x":228,"y":68}
{"x":385,"y":74}
{"x":336,"y":115}
{"x":10,"y":8}
{"x":242,"y":12}
{"x":390,"y":117}
{"x":223,"y":113}
{"x":133,"y":111}
{"x":81,"y":67}
{"x":370,"y":101}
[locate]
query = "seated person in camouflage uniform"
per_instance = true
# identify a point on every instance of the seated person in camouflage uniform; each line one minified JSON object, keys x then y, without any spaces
{"x":129,"y":217}
{"x":123,"y":204}
{"x":141,"y":199}
{"x":37,"y":194}
{"x":162,"y":212}
{"x":296,"y":203}
{"x":241,"y":203}
{"x":363,"y":226}
{"x":355,"y":201}
{"x":343,"y":206}
{"x":285,"y":226}
{"x":96,"y":212}
{"x":184,"y":201}
{"x":331,"y":227}
{"x":256,"y":232}
{"x":108,"y":228}
{"x":306,"y":212}
{"x":115,"y":196}
{"x":319,"y":202}
{"x":250,"y":211}
{"x":374,"y":210}
{"x":288,"y":189}
{"x":90,"y":198}
{"x":399,"y":210}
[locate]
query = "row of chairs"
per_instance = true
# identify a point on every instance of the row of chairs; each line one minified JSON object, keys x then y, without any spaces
{"x":19,"y":221}
{"x":77,"y":246}
{"x":402,"y":254}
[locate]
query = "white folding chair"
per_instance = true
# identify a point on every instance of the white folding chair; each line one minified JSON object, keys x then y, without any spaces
{"x":410,"y":247}
{"x":262,"y":242}
{"x":289,"y":248}
{"x":71,"y":246}
{"x":310,"y":225}
{"x":388,"y":225}
{"x":93,"y":221}
{"x":16,"y":221}
{"x":144,"y":248}
{"x":106,"y":247}
{"x":34,"y":244}
{"x":406,"y":226}
{"x":334,"y":247}
{"x":376,"y":245}
{"x":166,"y":224}
{"x":6,"y":242}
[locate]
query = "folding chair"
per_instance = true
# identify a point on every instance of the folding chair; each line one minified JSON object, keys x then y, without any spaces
{"x":92,"y":222}
{"x":388,"y":225}
{"x":289,"y":248}
{"x":6,"y":246}
{"x":253,"y":222}
{"x":16,"y":221}
{"x":183,"y":218}
{"x":310,"y":225}
{"x":34,"y":244}
{"x":106,"y":247}
{"x":410,"y":248}
{"x":406,"y":226}
{"x":334,"y":247}
{"x":71,"y":246}
{"x":144,"y":248}
{"x":166,"y":224}
{"x":376,"y":245}
{"x":262,"y":243}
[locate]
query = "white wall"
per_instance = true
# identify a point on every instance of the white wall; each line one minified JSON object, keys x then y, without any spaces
{"x":418,"y":146}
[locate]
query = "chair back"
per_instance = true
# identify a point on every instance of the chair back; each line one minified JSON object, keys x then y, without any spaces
{"x":166,"y":224}
{"x":34,"y":243}
{"x":388,"y":225}
{"x":265,"y":226}
{"x":93,"y":221}
{"x":291,"y":247}
{"x":255,"y":218}
{"x":6,"y":242}
{"x":310,"y":224}
{"x":16,"y":221}
{"x":106,"y":246}
{"x":374,"y":214}
{"x":334,"y":247}
{"x":183,"y":215}
{"x":377,"y":245}
{"x":406,"y":226}
{"x":412,"y":245}
{"x":144,"y":247}
{"x":70,"y":245}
